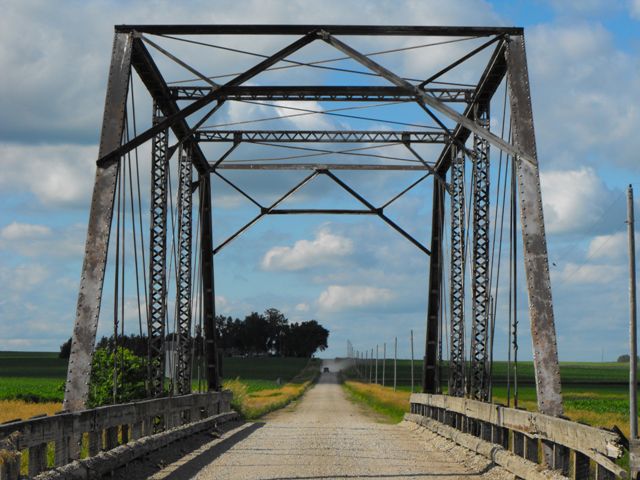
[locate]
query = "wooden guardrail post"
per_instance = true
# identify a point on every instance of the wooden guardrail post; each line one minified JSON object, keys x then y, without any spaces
{"x":531,"y":450}
{"x":111,"y":438}
{"x":61,"y":455}
{"x":580,"y":468}
{"x":518,"y":444}
{"x":561,"y":459}
{"x":603,"y":474}
{"x":95,"y":442}
{"x":136,"y":430}
{"x":9,"y":465}
{"x":37,"y":459}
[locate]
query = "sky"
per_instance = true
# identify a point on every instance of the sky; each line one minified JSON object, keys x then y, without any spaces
{"x":354,"y":275}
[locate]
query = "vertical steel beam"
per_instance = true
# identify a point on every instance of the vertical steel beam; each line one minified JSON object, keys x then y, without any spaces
{"x":543,"y":330}
{"x":99,"y":228}
{"x":183,"y":300}
{"x":208,"y":292}
{"x":456,"y":360}
{"x":430,"y":380}
{"x":479,"y":374}
{"x":158,"y":258}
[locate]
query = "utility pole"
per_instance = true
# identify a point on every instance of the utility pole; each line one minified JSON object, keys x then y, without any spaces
{"x":371,"y":366}
{"x":633,"y":341}
{"x":411,"y":361}
{"x":395,"y":363}
{"x":384,"y":360}
{"x":376,"y":363}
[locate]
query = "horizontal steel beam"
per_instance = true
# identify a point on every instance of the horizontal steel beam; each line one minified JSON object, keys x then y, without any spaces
{"x":390,"y":30}
{"x":318,"y":166}
{"x":320,"y":211}
{"x":323,"y":93}
{"x":320,"y":136}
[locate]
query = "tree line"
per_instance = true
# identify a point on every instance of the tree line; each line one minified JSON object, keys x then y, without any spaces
{"x":258,"y":334}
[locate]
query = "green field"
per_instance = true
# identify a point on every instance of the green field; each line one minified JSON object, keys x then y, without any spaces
{"x":593,"y":393}
{"x":39,"y":376}
{"x":572,"y":373}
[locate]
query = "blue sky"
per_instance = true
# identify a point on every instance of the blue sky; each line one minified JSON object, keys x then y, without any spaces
{"x":354,"y":275}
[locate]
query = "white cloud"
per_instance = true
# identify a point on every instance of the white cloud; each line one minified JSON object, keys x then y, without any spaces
{"x":23,"y":278}
{"x":578,"y":77}
{"x":56,"y":174}
{"x":22,"y":231}
{"x":573,"y":200}
{"x":325,"y":248}
{"x":344,"y":297}
{"x":634,"y":8}
{"x":612,"y":246}
{"x":302,"y":307}
{"x":32,"y":240}
{"x":587,"y":273}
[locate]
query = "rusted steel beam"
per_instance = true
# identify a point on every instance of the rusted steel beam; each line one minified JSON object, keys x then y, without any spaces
{"x":536,"y":261}
{"x":489,"y":81}
{"x":99,"y":228}
{"x":199,"y":104}
{"x":148,"y":71}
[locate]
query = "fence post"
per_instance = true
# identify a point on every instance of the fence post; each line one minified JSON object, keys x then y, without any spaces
{"x":384,"y":361}
{"x":376,"y":363}
{"x":395,"y":363}
{"x":371,"y":366}
{"x":411,"y":361}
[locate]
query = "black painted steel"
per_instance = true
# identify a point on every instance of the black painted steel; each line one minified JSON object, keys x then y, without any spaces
{"x":383,"y":30}
{"x":158,"y":260}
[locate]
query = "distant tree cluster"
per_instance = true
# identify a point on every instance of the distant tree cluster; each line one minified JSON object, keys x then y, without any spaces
{"x":624,"y":358}
{"x":269,"y":333}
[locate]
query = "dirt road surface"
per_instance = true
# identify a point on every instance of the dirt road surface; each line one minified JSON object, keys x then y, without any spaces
{"x":326,"y":436}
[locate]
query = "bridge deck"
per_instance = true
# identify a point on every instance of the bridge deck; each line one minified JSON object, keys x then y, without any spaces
{"x":326,"y":436}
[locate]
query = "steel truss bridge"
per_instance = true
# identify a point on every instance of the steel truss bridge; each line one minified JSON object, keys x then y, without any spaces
{"x":180,"y":139}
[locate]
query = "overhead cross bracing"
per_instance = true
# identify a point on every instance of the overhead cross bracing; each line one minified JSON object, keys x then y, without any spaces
{"x":219,"y":116}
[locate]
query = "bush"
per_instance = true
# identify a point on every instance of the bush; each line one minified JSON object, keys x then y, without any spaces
{"x":130,"y":378}
{"x":65,"y":349}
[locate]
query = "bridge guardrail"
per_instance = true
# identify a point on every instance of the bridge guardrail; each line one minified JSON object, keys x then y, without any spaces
{"x":571,"y":447}
{"x":105,"y":428}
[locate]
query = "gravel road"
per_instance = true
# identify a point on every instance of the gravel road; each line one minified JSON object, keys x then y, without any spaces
{"x":325,"y":436}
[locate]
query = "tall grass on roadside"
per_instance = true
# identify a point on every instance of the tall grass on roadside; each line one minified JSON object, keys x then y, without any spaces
{"x":392,"y":405}
{"x":14,"y":409}
{"x":255,"y":399}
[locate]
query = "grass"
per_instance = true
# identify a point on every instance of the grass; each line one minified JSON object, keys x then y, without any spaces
{"x":14,"y":409}
{"x":31,"y":383}
{"x":572,"y":373}
{"x":383,"y":400}
{"x":593,"y":393}
{"x":254,"y":399}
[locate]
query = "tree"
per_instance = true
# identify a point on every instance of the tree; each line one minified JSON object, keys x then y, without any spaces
{"x":131,"y":372}
{"x":65,"y":349}
{"x":624,"y":358}
{"x":277,"y":328}
{"x":305,"y":338}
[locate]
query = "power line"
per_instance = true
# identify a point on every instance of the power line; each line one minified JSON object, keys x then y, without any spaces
{"x":317,"y":64}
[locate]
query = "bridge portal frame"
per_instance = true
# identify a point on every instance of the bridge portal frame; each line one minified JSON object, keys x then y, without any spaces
{"x":508,"y":59}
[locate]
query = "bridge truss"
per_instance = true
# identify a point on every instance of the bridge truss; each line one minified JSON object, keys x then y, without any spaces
{"x":178,"y":134}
